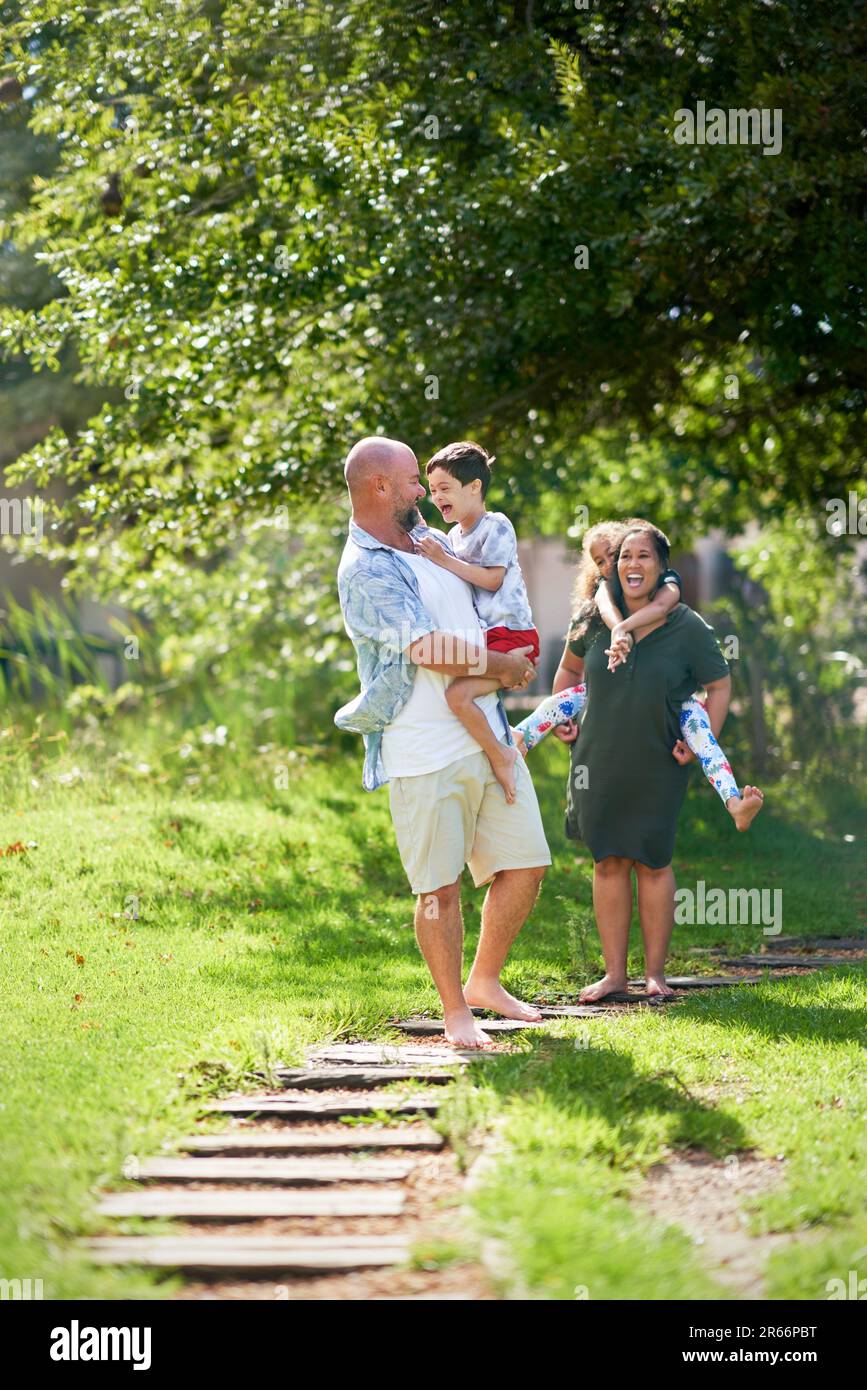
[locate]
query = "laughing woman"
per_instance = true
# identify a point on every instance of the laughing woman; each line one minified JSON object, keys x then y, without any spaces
{"x":625,"y":786}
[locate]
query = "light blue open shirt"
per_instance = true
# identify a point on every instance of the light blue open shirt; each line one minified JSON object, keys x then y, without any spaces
{"x":383,"y":614}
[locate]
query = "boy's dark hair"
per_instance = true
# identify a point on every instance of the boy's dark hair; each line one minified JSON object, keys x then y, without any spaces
{"x":464,"y":461}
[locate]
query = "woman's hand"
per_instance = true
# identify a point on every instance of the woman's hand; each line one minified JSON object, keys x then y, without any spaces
{"x":682,"y":754}
{"x":567,"y":733}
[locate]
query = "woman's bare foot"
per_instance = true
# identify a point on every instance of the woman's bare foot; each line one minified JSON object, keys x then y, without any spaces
{"x":489,"y":994}
{"x":743,"y":809}
{"x":609,"y":984}
{"x":656,"y":985}
{"x":520,"y":742}
{"x":462,"y":1029}
{"x":503,"y":764}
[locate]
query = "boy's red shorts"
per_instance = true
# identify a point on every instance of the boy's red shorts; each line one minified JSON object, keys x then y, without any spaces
{"x":506,"y":639}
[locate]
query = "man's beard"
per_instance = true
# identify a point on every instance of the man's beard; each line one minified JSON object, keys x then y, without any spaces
{"x":408,"y":518}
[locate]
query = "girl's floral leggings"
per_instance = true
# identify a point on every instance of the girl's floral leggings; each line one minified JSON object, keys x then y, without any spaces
{"x":694,"y":727}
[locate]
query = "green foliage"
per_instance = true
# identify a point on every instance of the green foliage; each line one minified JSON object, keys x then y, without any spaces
{"x":799,"y":619}
{"x":274,"y":224}
{"x":45,"y":649}
{"x":262,"y":230}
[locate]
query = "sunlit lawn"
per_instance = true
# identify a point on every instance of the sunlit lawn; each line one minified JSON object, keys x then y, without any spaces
{"x":159,"y":941}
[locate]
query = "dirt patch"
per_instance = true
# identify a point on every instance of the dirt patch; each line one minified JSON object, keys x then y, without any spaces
{"x":707,"y":1197}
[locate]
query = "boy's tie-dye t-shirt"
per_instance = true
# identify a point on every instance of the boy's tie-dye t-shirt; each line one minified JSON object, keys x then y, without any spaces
{"x":492,"y":541}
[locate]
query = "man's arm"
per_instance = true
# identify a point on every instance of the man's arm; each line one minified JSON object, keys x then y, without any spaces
{"x":449,"y":654}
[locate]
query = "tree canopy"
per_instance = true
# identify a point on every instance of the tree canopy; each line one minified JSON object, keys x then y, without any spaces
{"x":278,"y":225}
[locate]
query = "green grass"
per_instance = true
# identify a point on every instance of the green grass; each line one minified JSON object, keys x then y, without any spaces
{"x":163,"y":937}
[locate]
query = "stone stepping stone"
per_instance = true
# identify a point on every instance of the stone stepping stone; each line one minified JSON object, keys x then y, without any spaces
{"x":571,"y":1010}
{"x":395,"y":1054}
{"x":251,"y":1254}
{"x":323,"y":1109}
{"x":235,"y":1206}
{"x":705,"y":981}
{"x":283,"y":1170}
{"x":357,"y":1077}
{"x":313,"y":1141}
{"x":602,"y":1007}
{"x":775,"y":962}
{"x":634,"y":997}
{"x":429,"y":1027}
{"x":819,"y":943}
{"x":575,"y":1011}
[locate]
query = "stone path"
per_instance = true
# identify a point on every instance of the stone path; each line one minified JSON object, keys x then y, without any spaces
{"x":321,"y":1186}
{"x":328,"y":1182}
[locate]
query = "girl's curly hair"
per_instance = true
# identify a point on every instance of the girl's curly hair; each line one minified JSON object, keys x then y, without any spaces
{"x":587,"y":579}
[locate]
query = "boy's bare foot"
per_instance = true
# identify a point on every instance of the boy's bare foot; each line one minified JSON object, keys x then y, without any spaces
{"x":656,"y":985}
{"x":489,"y":994}
{"x":609,"y":984}
{"x":744,"y":808}
{"x":462,"y":1029}
{"x":503,"y":764}
{"x":520,"y":741}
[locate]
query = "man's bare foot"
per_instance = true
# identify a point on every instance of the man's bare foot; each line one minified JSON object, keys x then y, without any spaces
{"x":503,"y":764}
{"x":656,"y":985}
{"x":744,"y":808}
{"x":489,"y":994}
{"x":520,"y":742}
{"x":463,"y":1031}
{"x":609,"y":984}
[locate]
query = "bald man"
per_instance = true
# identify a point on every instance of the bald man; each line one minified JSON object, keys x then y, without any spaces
{"x":415,"y":628}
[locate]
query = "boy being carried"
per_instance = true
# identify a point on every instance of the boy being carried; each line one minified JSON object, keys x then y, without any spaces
{"x":486,"y":548}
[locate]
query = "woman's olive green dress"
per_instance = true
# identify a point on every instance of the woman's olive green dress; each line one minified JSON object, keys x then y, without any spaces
{"x":625,"y":789}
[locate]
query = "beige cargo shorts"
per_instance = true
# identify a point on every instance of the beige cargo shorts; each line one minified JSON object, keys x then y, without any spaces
{"x":459,"y":815}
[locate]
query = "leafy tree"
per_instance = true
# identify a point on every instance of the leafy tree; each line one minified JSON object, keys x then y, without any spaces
{"x":29,"y":401}
{"x":279,"y":225}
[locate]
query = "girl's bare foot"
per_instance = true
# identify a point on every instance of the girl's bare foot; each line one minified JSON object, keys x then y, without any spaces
{"x":503,"y":764}
{"x":520,"y":742}
{"x":462,"y":1029}
{"x":744,"y":808}
{"x":656,"y":985}
{"x":609,"y":984}
{"x":489,"y":994}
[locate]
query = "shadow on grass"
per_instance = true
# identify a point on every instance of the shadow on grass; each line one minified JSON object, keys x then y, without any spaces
{"x":763,"y":1009}
{"x":599,"y":1082}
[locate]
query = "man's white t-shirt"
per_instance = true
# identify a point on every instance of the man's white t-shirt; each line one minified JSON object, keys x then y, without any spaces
{"x":426,"y":736}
